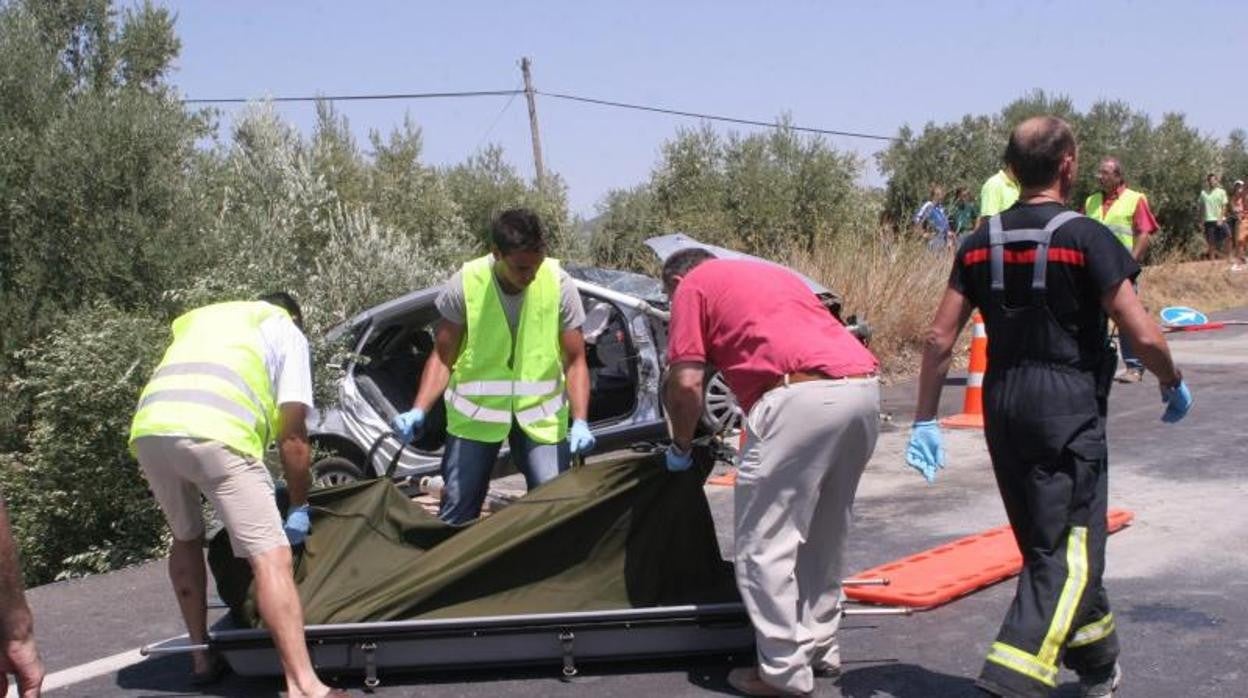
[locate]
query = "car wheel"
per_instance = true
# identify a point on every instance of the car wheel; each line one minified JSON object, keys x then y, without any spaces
{"x":332,"y":471}
{"x":720,"y":411}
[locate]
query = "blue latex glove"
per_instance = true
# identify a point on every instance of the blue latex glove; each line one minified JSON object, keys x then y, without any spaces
{"x":1178,"y":401}
{"x":580,"y":440}
{"x":925,"y":452}
{"x":678,"y":460}
{"x":406,"y":425}
{"x":298,"y":525}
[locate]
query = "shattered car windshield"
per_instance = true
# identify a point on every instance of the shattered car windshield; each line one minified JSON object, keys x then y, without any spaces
{"x":636,"y":285}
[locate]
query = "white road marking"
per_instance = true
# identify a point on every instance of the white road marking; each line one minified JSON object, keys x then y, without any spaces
{"x":85,"y":672}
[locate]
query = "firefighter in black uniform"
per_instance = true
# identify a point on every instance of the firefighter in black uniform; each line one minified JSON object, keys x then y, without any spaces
{"x":1045,"y":279}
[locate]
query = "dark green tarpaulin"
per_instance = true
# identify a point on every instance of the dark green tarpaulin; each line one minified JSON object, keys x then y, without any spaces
{"x":612,"y":535}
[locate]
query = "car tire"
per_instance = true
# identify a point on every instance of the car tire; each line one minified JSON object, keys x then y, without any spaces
{"x":720,"y":411}
{"x":332,"y":471}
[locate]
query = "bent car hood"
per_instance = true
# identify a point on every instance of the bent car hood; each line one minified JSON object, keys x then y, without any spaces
{"x":666,"y":245}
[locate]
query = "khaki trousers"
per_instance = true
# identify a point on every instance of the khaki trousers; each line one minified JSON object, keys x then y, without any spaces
{"x":806,"y":447}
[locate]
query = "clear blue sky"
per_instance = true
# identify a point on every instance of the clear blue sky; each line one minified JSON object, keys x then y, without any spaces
{"x":855,"y":66}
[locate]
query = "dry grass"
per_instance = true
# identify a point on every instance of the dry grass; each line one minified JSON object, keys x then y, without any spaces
{"x":895,"y":285}
{"x":1206,"y":286}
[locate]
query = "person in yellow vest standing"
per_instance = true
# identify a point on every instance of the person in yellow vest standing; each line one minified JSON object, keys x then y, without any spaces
{"x":509,"y":360}
{"x":999,"y":192}
{"x":236,"y":377}
{"x":1126,"y":213}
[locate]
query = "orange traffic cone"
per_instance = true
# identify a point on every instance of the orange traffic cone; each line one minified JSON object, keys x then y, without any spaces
{"x":972,"y":416}
{"x":729,"y":478}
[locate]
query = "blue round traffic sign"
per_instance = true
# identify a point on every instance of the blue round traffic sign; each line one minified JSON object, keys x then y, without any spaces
{"x":1180,"y":316}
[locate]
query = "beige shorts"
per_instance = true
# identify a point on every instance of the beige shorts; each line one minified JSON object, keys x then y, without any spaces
{"x":240,"y":488}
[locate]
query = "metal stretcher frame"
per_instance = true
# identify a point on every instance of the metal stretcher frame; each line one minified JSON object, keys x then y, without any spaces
{"x":494,"y":641}
{"x":489,"y":641}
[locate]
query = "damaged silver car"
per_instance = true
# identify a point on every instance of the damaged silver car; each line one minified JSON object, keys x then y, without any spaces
{"x":625,"y":339}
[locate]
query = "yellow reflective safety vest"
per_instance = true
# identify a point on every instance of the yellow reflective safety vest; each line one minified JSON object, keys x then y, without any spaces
{"x":212,"y":383}
{"x":498,"y":377}
{"x":1121,"y":214}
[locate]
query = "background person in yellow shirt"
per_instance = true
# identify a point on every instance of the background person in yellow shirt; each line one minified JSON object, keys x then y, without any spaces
{"x":999,"y":192}
{"x":1213,"y":206}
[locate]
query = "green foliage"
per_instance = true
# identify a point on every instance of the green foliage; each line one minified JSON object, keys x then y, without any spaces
{"x":953,"y":155}
{"x":100,"y":199}
{"x":486,"y":184}
{"x":281,"y":225}
{"x":94,"y":154}
{"x":78,"y":501}
{"x":147,"y":45}
{"x":1166,"y":161}
{"x":413,"y":198}
{"x":336,"y":157}
{"x":1235,"y":158}
{"x":1172,"y":173}
{"x":112,"y":222}
{"x":627,"y":217}
{"x":772,"y":194}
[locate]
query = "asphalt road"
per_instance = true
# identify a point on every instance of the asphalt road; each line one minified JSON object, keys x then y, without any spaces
{"x":1175,"y":577}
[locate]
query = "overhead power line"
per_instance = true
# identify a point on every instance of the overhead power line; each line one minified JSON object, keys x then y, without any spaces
{"x":553,"y":95}
{"x":714,"y":117}
{"x":498,"y":118}
{"x":357,"y":98}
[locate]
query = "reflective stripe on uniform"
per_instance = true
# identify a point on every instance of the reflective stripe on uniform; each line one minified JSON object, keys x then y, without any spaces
{"x":1093,"y":632}
{"x":1072,"y":593}
{"x":1043,"y":665}
{"x":504,"y":374}
{"x":1023,"y":663}
{"x":225,"y":373}
{"x":546,"y":409}
{"x":507,"y":388}
{"x":203,"y":398}
{"x":195,"y":368}
{"x":474,"y":411}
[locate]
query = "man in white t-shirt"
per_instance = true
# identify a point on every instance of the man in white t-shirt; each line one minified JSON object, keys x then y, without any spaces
{"x":235,"y":378}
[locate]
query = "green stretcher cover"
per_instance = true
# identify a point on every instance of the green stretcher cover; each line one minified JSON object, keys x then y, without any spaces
{"x":619,"y":534}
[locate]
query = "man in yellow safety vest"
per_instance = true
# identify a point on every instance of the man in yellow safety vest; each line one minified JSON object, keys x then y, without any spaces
{"x":236,"y":377}
{"x":1126,"y":213}
{"x":509,"y":360}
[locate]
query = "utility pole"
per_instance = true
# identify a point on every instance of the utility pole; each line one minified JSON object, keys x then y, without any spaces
{"x":525,"y":65}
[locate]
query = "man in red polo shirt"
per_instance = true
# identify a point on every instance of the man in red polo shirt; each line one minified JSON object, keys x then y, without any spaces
{"x":812,"y":400}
